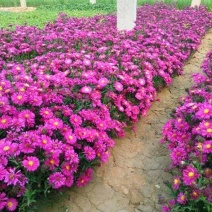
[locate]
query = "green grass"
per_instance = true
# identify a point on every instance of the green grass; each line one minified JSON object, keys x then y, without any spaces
{"x":40,"y":17}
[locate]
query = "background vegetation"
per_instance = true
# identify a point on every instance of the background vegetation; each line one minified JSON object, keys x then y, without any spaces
{"x":47,"y":10}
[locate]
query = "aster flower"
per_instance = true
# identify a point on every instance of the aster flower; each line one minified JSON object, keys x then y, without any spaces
{"x":190,"y":175}
{"x":103,"y":82}
{"x":46,"y":113}
{"x":195,"y":194}
{"x":118,"y":86}
{"x":57,"y":180}
{"x":11,"y":204}
{"x":207,"y":146}
{"x":75,"y":120}
{"x":176,"y":182}
{"x":28,"y":117}
{"x":205,"y":111}
{"x":89,"y":152}
{"x":19,"y":98}
{"x":208,"y":172}
{"x":31,"y":163}
{"x":86,"y":89}
{"x":70,"y":137}
{"x":3,"y":200}
{"x":178,"y":154}
{"x":5,"y":122}
{"x":181,"y":198}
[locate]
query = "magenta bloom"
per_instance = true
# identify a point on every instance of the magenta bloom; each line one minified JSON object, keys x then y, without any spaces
{"x":195,"y":194}
{"x":76,"y":120}
{"x":19,"y":98}
{"x":190,"y":174}
{"x":12,"y":204}
{"x":118,"y":86}
{"x":178,"y":154}
{"x":176,"y":182}
{"x":46,"y":113}
{"x":86,"y":89}
{"x":207,"y":147}
{"x":205,"y":111}
{"x":3,"y":172}
{"x":182,"y":199}
{"x":3,"y":200}
{"x":31,"y":163}
{"x":89,"y":152}
{"x":13,"y":177}
{"x":70,"y":137}
{"x":28,"y":117}
{"x":5,"y":122}
{"x":57,"y":180}
{"x":103,"y":82}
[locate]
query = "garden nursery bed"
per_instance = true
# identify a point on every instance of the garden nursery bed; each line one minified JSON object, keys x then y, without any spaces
{"x":69,"y":89}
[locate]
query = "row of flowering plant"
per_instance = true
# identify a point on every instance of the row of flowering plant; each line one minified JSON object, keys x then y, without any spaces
{"x":68,"y":89}
{"x":189,"y":136}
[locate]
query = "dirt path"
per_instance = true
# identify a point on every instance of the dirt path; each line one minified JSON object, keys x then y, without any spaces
{"x":17,"y":9}
{"x":133,"y":178}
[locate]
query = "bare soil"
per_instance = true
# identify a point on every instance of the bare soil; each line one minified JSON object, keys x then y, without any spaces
{"x":133,"y":178}
{"x":17,"y":9}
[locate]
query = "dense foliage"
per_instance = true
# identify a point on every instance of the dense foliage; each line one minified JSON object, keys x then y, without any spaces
{"x":68,"y":89}
{"x":189,"y":136}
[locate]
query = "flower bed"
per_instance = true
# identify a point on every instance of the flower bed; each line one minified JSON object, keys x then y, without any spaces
{"x":68,"y":89}
{"x":189,"y":136}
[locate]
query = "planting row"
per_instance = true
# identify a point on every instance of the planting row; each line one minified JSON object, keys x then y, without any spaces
{"x":68,"y":89}
{"x":189,"y":136}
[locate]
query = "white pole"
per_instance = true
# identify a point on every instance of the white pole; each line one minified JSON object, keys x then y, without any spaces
{"x":23,"y":3}
{"x":126,"y":14}
{"x":93,"y":1}
{"x":195,"y":3}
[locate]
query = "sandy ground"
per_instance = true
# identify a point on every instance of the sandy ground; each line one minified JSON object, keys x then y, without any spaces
{"x":17,"y":9}
{"x":133,"y":178}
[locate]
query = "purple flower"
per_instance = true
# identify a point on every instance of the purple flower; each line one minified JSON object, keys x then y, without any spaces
{"x":118,"y":86}
{"x":57,"y":180}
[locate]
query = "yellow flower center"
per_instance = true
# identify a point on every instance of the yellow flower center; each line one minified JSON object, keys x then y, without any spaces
{"x":182,"y":197}
{"x":6,"y":148}
{"x":3,"y":121}
{"x":194,"y":193}
{"x":70,"y":137}
{"x":1,"y":88}
{"x":191,"y":174}
{"x":9,"y":204}
{"x":179,"y":120}
{"x":176,"y":181}
{"x":19,"y":97}
{"x":46,"y":112}
{"x":22,"y":89}
{"x":208,"y":146}
{"x":206,"y":124}
{"x":30,"y":163}
{"x":67,"y":167}
{"x":56,"y":123}
{"x":26,"y":116}
{"x":209,"y":130}
{"x":52,"y":162}
{"x":44,"y":141}
{"x":206,"y":111}
{"x":199,"y":145}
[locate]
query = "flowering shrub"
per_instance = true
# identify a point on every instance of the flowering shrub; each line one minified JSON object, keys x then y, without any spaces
{"x":189,"y":136}
{"x":68,"y":89}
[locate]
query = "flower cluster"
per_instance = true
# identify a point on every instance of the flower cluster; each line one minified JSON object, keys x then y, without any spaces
{"x":68,"y":89}
{"x":189,"y":136}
